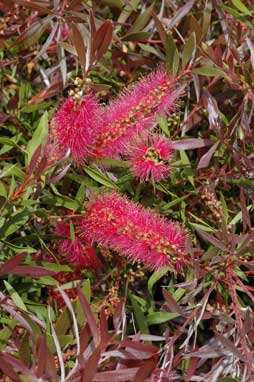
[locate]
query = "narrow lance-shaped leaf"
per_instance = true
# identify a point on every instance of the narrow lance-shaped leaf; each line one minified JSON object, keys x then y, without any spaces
{"x":89,"y":316}
{"x":142,"y":20}
{"x":190,"y":143}
{"x":12,"y":263}
{"x":183,"y":11}
{"x":189,"y":50}
{"x":39,"y":136}
{"x":79,"y":44}
{"x":206,"y":158}
{"x":101,"y":40}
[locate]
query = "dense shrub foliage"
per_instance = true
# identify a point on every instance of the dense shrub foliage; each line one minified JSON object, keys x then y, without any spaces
{"x":126,"y":191}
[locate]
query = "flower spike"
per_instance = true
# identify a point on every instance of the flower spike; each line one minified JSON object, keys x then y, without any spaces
{"x":113,"y":221}
{"x":135,"y":111}
{"x":75,"y":125}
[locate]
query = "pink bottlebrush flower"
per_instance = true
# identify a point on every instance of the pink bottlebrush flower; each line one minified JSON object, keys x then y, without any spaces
{"x":77,"y":252}
{"x":149,"y":157}
{"x":75,"y":126}
{"x":135,"y":112}
{"x":113,"y":221}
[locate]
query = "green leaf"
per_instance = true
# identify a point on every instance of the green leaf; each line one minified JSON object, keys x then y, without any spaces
{"x":160,"y":317}
{"x":203,"y":224}
{"x":174,"y":202}
{"x":155,"y":277}
{"x":61,"y":200}
{"x":186,"y":162}
{"x":136,"y":36}
{"x":207,"y":15}
{"x":238,"y":217}
{"x":142,"y":20}
{"x":241,"y":7}
{"x":139,"y":316}
{"x":16,"y":221}
{"x":203,"y":227}
{"x":224,"y":207}
{"x":236,"y":14}
{"x":32,"y":108}
{"x":18,"y":249}
{"x":3,"y":191}
{"x":209,"y":71}
{"x":100,"y":178}
{"x":163,"y":123}
{"x":15,"y":296}
{"x":47,"y":280}
{"x":39,"y":136}
{"x":113,"y":162}
{"x":63,"y":322}
{"x":64,"y":339}
{"x":24,"y":91}
{"x":172,"y":55}
{"x":10,"y":170}
{"x":189,"y":50}
{"x":57,"y":267}
{"x":114,"y":3}
{"x":10,"y":142}
{"x":72,"y":232}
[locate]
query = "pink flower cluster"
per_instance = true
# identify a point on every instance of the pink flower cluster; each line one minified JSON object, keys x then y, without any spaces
{"x":76,"y":252}
{"x":83,"y":129}
{"x":75,"y":125}
{"x":111,"y":220}
{"x":149,"y":157}
{"x":134,"y":112}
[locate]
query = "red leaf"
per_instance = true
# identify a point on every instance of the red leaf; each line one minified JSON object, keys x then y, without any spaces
{"x":8,"y":369}
{"x":116,"y":375}
{"x":144,"y":371}
{"x":105,"y":337}
{"x":85,"y":336}
{"x":211,"y":239}
{"x":10,"y":264}
{"x":35,"y":7}
{"x":193,"y":364}
{"x":118,"y":316}
{"x":3,"y":117}
{"x":179,"y":14}
{"x":34,"y":160}
{"x":90,"y":366}
{"x":15,"y":363}
{"x":245,"y":212}
{"x":171,"y":303}
{"x":31,"y":271}
{"x":79,"y":44}
{"x":89,"y":316}
{"x":101,"y":40}
{"x":229,"y":345}
{"x":205,"y":160}
{"x":190,"y":144}
{"x":46,"y":362}
{"x":139,"y":346}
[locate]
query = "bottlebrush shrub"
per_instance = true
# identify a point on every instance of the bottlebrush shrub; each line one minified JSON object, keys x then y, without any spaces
{"x":134,"y":111}
{"x":149,"y":157}
{"x":75,"y":125}
{"x":113,"y":221}
{"x":77,"y":251}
